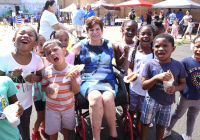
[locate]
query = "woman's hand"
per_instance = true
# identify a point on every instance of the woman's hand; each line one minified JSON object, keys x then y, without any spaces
{"x":20,"y":110}
{"x":16,"y":72}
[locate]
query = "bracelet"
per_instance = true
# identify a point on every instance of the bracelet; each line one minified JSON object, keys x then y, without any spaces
{"x":123,"y":56}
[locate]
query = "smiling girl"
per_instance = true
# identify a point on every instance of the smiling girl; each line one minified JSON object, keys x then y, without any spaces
{"x":140,"y":54}
{"x":13,"y":65}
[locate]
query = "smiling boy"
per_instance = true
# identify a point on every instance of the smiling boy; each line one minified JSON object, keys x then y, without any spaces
{"x":158,"y":102}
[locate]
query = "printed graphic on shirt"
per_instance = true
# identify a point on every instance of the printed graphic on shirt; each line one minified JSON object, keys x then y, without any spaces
{"x":158,"y":83}
{"x":3,"y":104}
{"x":195,"y":77}
{"x":21,"y":84}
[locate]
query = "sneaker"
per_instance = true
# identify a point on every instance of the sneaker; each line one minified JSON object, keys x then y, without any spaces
{"x":151,"y":125}
{"x":185,"y":137}
{"x":36,"y":135}
{"x":166,"y":134}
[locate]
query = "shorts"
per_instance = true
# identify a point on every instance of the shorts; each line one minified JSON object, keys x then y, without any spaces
{"x":77,"y":27}
{"x":11,"y":23}
{"x":136,"y":101}
{"x":170,"y":25}
{"x":152,"y":109}
{"x":55,"y":120}
{"x":189,"y":30}
{"x":39,"y":105}
{"x":19,"y":25}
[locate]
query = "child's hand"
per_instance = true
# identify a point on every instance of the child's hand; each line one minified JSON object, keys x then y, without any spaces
{"x":16,"y":72}
{"x":171,"y":90}
{"x":165,"y":76}
{"x":31,"y":78}
{"x":50,"y":90}
{"x":20,"y":110}
{"x":74,"y":75}
{"x":126,"y":50}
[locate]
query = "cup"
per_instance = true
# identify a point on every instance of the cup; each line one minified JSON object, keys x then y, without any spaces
{"x":56,"y":89}
{"x":25,"y":73}
{"x":167,"y":84}
{"x":10,"y":112}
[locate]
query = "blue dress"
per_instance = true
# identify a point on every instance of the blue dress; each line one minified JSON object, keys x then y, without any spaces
{"x":98,"y":72}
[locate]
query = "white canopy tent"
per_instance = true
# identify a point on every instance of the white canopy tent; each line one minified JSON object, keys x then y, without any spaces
{"x":177,"y":4}
{"x":69,"y":8}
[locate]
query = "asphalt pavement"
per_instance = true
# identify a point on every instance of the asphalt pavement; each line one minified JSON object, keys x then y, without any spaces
{"x":113,"y":34}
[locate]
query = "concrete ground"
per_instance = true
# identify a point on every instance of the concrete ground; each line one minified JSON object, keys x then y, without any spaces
{"x":113,"y":33}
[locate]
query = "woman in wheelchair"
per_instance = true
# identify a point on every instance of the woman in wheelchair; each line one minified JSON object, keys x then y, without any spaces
{"x":98,"y":85}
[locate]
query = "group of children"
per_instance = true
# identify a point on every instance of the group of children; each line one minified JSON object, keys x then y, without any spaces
{"x":149,"y":56}
{"x":174,"y":28}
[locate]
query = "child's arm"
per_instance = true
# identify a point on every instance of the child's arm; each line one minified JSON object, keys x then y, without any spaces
{"x":14,"y":74}
{"x":149,"y":83}
{"x":119,"y":57}
{"x":181,"y":85}
{"x":75,"y":86}
{"x":13,"y":100}
{"x":32,"y":78}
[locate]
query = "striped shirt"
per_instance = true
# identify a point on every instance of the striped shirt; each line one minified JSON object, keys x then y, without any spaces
{"x":65,"y":98}
{"x":19,"y":19}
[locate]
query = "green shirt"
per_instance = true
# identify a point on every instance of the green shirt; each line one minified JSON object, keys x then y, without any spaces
{"x":7,"y":89}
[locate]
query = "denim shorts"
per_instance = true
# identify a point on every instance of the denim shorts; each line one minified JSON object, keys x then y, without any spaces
{"x":152,"y":109}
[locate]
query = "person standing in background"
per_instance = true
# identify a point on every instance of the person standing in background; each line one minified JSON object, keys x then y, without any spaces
{"x":108,"y":17}
{"x":149,"y":14}
{"x":168,"y":13}
{"x":179,"y":16}
{"x":18,"y":20}
{"x":77,"y":19}
{"x":89,"y":12}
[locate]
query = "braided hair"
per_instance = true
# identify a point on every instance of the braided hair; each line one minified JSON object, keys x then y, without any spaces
{"x":138,"y":43}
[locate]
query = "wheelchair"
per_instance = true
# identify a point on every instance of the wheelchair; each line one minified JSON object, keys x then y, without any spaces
{"x":121,"y":100}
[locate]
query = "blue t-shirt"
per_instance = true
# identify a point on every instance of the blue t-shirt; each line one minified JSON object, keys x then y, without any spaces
{"x":89,"y":14}
{"x":11,"y":19}
{"x":104,"y":20}
{"x":178,"y":15}
{"x":167,"y":14}
{"x":7,"y":89}
{"x":77,"y":14}
{"x":108,"y":16}
{"x":172,"y":18}
{"x":152,"y":68}
{"x":192,"y":89}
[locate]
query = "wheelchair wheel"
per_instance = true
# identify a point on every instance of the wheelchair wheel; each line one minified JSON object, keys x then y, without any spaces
{"x":124,"y":118}
{"x":80,"y":129}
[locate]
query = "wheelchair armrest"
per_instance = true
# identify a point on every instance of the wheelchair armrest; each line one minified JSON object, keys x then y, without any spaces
{"x":119,"y":69}
{"x":122,"y":94}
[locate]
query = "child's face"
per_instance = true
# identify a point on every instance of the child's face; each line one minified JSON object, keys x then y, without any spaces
{"x":63,"y":39}
{"x":146,"y":36}
{"x":163,"y":49}
{"x":25,"y":39}
{"x":196,"y":51}
{"x":55,"y":54}
{"x":129,"y":31}
{"x":40,"y":50}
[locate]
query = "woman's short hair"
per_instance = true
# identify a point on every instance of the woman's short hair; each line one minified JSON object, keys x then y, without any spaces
{"x":89,"y":5}
{"x":91,"y":21}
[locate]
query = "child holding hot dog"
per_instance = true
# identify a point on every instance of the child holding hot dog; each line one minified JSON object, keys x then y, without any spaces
{"x":60,"y":110}
{"x":139,"y":55}
{"x":158,"y":102}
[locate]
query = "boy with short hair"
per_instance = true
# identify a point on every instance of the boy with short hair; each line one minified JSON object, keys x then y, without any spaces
{"x":158,"y":102}
{"x":60,"y":110}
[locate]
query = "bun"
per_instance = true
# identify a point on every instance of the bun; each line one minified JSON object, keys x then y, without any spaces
{"x":78,"y":68}
{"x":171,"y":74}
{"x":130,"y":77}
